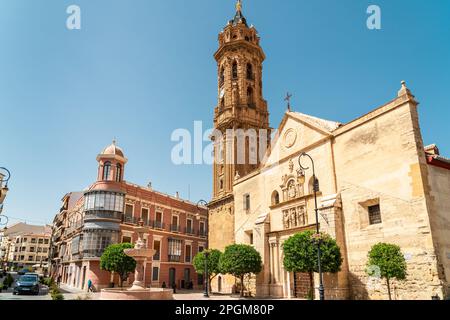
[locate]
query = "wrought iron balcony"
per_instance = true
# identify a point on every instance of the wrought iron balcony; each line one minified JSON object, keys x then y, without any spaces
{"x":174,"y":228}
{"x":173,"y":258}
{"x":158,"y":225}
{"x":190,"y":230}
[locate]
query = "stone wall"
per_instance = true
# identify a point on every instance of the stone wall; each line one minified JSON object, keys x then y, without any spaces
{"x":378,"y":162}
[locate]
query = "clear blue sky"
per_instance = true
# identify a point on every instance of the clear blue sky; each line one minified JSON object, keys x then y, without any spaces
{"x":139,"y":69}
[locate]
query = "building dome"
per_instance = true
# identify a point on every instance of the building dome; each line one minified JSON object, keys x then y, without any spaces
{"x":113,"y":149}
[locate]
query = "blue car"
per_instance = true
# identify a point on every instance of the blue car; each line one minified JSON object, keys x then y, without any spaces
{"x":28,"y":283}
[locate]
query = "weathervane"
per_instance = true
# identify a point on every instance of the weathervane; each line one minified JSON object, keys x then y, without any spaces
{"x":239,"y":6}
{"x":288,"y":99}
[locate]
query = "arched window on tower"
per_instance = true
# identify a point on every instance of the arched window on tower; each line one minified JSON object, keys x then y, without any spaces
{"x":222,"y":76}
{"x":250,"y":71}
{"x":235,"y":70}
{"x":222,"y":103}
{"x":119,"y":172}
{"x":275,"y":198}
{"x":250,"y":98}
{"x":107,"y":171}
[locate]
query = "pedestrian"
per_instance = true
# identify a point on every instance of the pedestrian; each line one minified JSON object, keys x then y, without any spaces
{"x":90,"y":286}
{"x":58,"y":281}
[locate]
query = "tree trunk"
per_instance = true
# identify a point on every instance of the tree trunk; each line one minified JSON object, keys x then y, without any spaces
{"x":389,"y":288}
{"x":311,"y":286}
{"x":242,"y":286}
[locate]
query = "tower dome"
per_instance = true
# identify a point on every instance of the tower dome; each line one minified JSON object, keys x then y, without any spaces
{"x":113,"y":149}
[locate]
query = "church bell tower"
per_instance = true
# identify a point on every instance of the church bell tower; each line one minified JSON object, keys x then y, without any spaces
{"x":240,"y":107}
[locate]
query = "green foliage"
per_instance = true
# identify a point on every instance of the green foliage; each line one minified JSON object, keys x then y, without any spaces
{"x":55,"y":293}
{"x":300,"y":253}
{"x":240,"y":260}
{"x":47,"y":281}
{"x":213,"y":262}
{"x":114,"y":259}
{"x":390,"y":260}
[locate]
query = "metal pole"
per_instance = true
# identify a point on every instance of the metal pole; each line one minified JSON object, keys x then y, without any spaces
{"x":319,"y":253}
{"x":206,"y":294}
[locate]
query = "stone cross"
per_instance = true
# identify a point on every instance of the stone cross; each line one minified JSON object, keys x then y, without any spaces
{"x":288,"y":99}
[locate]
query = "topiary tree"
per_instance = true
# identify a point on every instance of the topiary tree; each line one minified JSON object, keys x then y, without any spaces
{"x":389,"y":261}
{"x":300,"y":255}
{"x":240,"y":260}
{"x":213,"y":264}
{"x":114,"y":259}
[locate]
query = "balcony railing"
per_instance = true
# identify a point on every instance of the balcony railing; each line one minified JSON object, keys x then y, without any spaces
{"x":158,"y":225}
{"x":157,"y":256}
{"x":174,"y":258}
{"x":189,"y":230}
{"x":202,"y":233}
{"x":174,"y":228}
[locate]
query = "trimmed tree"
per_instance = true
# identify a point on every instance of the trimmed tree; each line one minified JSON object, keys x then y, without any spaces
{"x":240,"y":260}
{"x":115,"y":260}
{"x":388,"y":260}
{"x":300,"y":254}
{"x":213,"y":264}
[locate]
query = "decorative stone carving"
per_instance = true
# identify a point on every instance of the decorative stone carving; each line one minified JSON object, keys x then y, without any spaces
{"x":294,"y":217}
{"x":290,"y":137}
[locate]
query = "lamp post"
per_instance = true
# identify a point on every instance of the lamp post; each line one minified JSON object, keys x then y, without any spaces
{"x":205,"y":252}
{"x":4,"y":180}
{"x":316,"y":189}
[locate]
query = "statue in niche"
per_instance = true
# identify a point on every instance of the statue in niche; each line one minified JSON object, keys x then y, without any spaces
{"x":293,"y":218}
{"x":286,"y":219}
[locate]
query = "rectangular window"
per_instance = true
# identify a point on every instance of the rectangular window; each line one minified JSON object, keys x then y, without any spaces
{"x":41,"y":241}
{"x":33,"y":240}
{"x":246,"y":202}
{"x":158,"y":220}
{"x":157,"y":248}
{"x":126,"y":240}
{"x":45,"y":241}
{"x":202,"y":231}
{"x":200,"y":248}
{"x":374,"y":214}
{"x":155,"y":274}
{"x":175,"y":225}
{"x":188,"y":253}
{"x":189,"y":226}
{"x":128,"y":213}
{"x":175,"y":250}
{"x":144,"y":215}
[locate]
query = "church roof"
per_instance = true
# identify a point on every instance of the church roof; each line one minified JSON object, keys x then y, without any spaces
{"x":326,"y":125}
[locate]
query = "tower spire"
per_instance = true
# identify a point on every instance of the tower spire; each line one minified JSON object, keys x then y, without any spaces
{"x":239,"y":6}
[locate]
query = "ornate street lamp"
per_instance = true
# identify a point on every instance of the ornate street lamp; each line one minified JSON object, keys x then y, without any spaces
{"x":4,"y":180}
{"x":205,"y":252}
{"x":316,"y":189}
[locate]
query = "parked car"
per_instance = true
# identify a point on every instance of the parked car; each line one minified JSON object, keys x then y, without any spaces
{"x":21,"y":272}
{"x":28,"y":283}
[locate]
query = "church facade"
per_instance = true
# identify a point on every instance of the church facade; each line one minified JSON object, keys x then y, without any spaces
{"x":377,"y":183}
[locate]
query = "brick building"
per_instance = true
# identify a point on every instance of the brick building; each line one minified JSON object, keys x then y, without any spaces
{"x":106,"y":213}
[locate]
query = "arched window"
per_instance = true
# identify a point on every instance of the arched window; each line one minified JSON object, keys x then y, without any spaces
{"x":118,"y":173}
{"x":250,"y":98}
{"x":107,"y":171}
{"x":222,"y":76}
{"x":275,"y":198}
{"x":250,"y":71}
{"x":235,"y":70}
{"x":222,"y":103}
